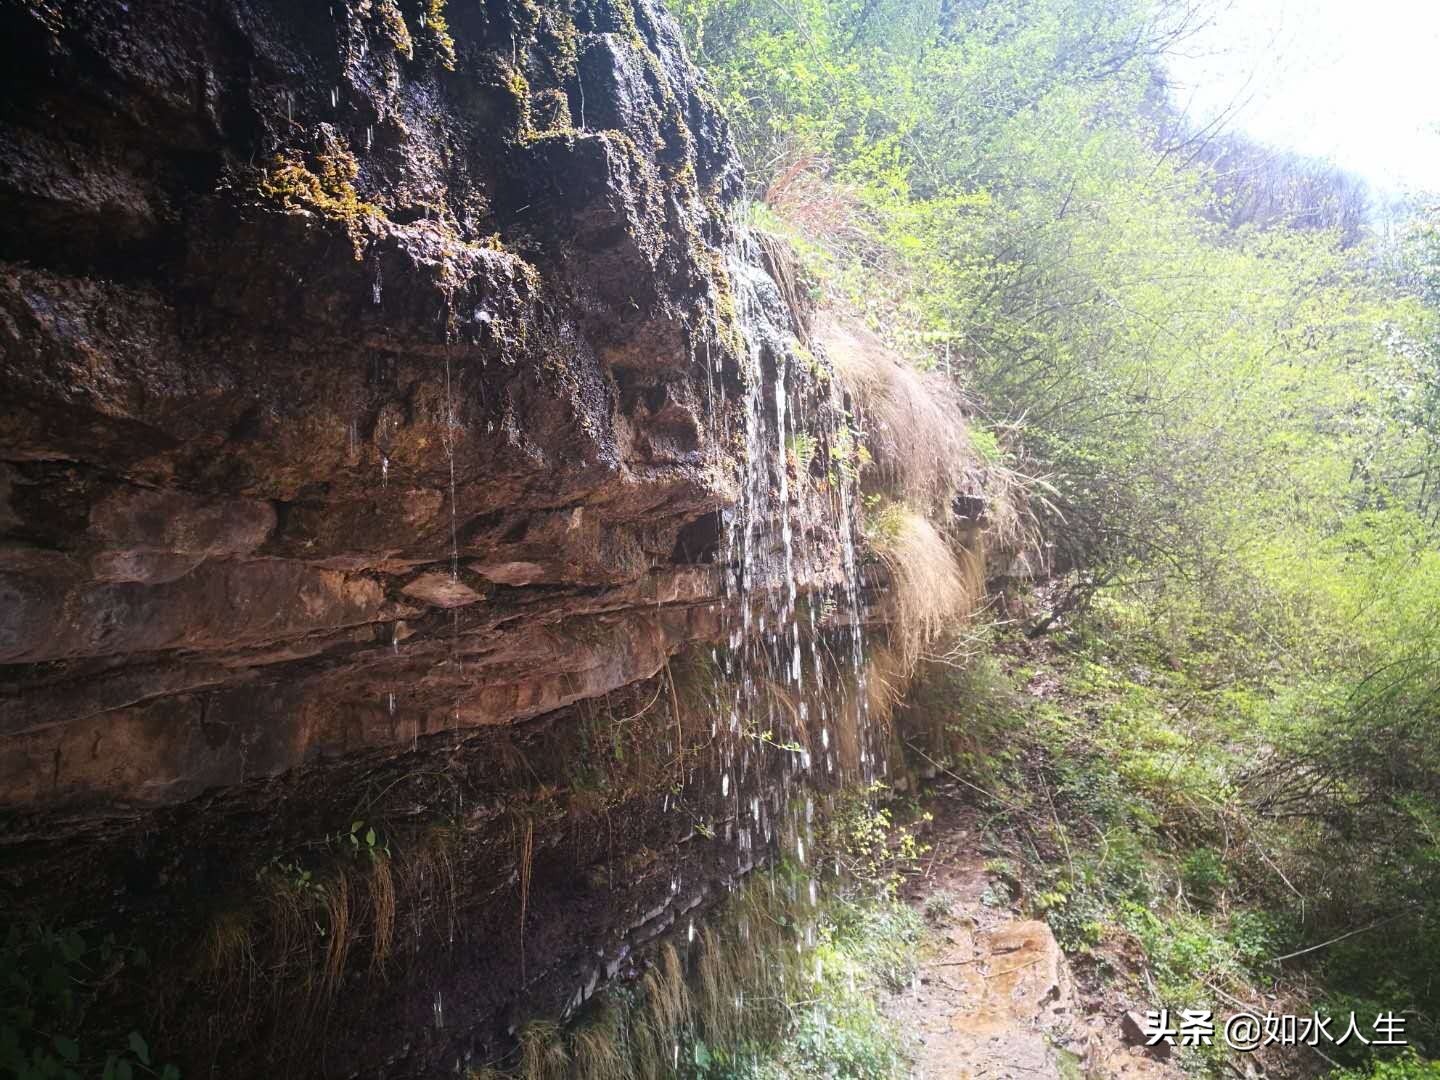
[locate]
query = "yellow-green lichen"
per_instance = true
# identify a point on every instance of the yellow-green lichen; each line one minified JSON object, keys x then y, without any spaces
{"x":724,"y":316}
{"x":325,"y":185}
{"x":551,"y":111}
{"x":625,"y":18}
{"x":392,"y":25}
{"x":564,"y":43}
{"x":527,"y":16}
{"x":437,"y":34}
{"x":519,"y":88}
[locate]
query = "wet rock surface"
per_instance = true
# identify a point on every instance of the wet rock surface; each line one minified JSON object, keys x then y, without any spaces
{"x":338,"y":351}
{"x":376,"y":408}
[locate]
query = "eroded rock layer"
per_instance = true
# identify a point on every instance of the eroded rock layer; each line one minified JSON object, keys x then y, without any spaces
{"x":355,"y":358}
{"x":397,"y":447}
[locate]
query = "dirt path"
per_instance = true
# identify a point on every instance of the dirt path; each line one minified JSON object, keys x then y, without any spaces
{"x":995,"y":997}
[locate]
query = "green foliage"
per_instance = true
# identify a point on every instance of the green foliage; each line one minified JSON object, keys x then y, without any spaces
{"x":1233,"y":392}
{"x":861,"y":836}
{"x":51,"y":977}
{"x":838,"y":1030}
{"x":801,"y":450}
{"x":1204,"y":874}
{"x":1249,"y":407}
{"x":1409,"y":1066}
{"x":364,"y":841}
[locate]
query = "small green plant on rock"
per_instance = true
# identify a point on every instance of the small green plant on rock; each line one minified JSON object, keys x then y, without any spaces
{"x":940,"y":906}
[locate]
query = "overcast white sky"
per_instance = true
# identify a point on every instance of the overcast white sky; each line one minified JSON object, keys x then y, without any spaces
{"x":1357,"y":81}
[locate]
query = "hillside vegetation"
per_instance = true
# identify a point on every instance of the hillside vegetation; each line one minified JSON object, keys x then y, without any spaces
{"x":1223,"y":390}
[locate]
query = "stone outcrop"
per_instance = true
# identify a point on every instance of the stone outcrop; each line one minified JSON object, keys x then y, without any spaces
{"x":358,"y":361}
{"x":381,"y":384}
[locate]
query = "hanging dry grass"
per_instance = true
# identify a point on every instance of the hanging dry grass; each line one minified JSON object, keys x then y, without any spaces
{"x":785,"y":704}
{"x":339,"y":933}
{"x":438,"y":850}
{"x":229,"y":949}
{"x":382,"y":910}
{"x":824,"y":212}
{"x":913,"y":422}
{"x":228,"y":957}
{"x":931,"y":592}
{"x":287,"y":910}
{"x":742,"y":972}
{"x":783,"y":264}
{"x":542,"y":1051}
{"x":887,"y":677}
{"x":667,"y":997}
{"x":524,"y":832}
{"x":595,"y":1053}
{"x":647,"y":1050}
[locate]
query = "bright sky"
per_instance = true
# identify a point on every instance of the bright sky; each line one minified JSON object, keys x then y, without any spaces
{"x":1357,"y":81}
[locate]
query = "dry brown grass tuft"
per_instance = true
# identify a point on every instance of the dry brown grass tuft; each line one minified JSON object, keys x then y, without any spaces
{"x":931,"y":592}
{"x":229,"y":949}
{"x":596,"y":1055}
{"x":428,"y":869}
{"x":523,"y":827}
{"x":824,"y":212}
{"x":745,"y":968}
{"x":292,"y":936}
{"x":887,"y":677}
{"x":783,"y":264}
{"x":542,"y":1051}
{"x":913,"y":422}
{"x":667,"y":997}
{"x":647,"y":1050}
{"x":228,"y":958}
{"x":382,"y":910}
{"x":339,"y":933}
{"x":785,"y":702}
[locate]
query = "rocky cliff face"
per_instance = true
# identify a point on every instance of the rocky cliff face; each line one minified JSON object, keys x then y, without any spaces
{"x":377,"y":380}
{"x":349,"y":358}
